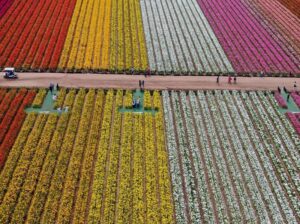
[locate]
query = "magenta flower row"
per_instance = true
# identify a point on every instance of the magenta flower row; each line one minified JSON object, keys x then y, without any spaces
{"x":296,"y":98}
{"x":294,"y":118}
{"x":280,"y":100}
{"x":248,"y":45}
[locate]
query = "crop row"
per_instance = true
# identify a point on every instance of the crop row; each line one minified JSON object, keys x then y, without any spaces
{"x":105,"y":35}
{"x":92,"y":164}
{"x":181,"y":41}
{"x":12,"y":117}
{"x":33,"y":33}
{"x":233,"y":20}
{"x":233,"y":151}
{"x":279,"y":21}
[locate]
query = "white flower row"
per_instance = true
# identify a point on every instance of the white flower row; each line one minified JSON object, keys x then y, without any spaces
{"x":250,"y":151}
{"x":199,"y":166}
{"x":186,"y":163}
{"x":211,"y":170}
{"x":209,"y":41}
{"x":146,"y":10}
{"x":221,"y":166}
{"x":178,"y":194}
{"x":227,"y":150}
{"x":178,"y":34}
{"x":230,"y":153}
{"x":288,"y":161}
{"x":148,"y":38}
{"x":244,"y":122}
{"x":270,"y":148}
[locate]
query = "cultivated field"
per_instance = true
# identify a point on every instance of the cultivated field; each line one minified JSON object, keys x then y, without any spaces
{"x":204,"y":156}
{"x":166,"y":37}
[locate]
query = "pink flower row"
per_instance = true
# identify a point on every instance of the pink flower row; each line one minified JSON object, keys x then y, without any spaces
{"x":294,"y":118}
{"x":249,"y":46}
{"x":280,"y":100}
{"x":296,"y":98}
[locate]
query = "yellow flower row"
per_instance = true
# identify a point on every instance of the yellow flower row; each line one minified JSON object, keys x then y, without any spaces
{"x":141,"y":37}
{"x":19,"y":175}
{"x":153,"y":210}
{"x":41,"y":191}
{"x":147,"y":100}
{"x":96,"y":200}
{"x":33,"y":173}
{"x":162,"y":160}
{"x":87,"y":166}
{"x":123,"y":204}
{"x":39,"y":98}
{"x":128,"y":99}
{"x":85,"y":33}
{"x":112,"y":165}
{"x":105,"y":34}
{"x":58,"y":179}
{"x":73,"y":172}
{"x":15,"y":153}
{"x":138,"y":184}
{"x":106,"y":38}
{"x":60,"y":98}
{"x":70,"y":98}
{"x":93,"y":29}
{"x":128,"y":35}
{"x":69,"y":39}
{"x":76,"y":47}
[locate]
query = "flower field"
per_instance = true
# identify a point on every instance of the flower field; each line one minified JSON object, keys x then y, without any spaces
{"x":233,"y":158}
{"x":164,"y":37}
{"x":12,"y":116}
{"x":204,"y":156}
{"x":91,"y":165}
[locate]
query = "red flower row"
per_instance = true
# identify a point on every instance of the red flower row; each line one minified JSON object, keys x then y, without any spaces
{"x":6,"y":102}
{"x":13,"y":33}
{"x":11,"y":112}
{"x":52,"y":55}
{"x":31,"y":32}
{"x":15,"y":127}
{"x":2,"y":94}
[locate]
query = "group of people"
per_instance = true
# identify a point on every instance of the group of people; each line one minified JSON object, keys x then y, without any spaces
{"x":229,"y":79}
{"x":136,"y":103}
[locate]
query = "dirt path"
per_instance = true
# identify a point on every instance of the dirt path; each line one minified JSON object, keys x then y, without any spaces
{"x":153,"y":82}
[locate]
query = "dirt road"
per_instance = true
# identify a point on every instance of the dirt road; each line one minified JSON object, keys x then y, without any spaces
{"x":153,"y":82}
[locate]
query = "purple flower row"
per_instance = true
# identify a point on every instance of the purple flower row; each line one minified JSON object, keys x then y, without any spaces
{"x":248,"y":45}
{"x":4,"y":5}
{"x":296,"y":98}
{"x":294,"y":118}
{"x":280,"y":100}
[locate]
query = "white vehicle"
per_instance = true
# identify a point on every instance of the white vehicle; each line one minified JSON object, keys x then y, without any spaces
{"x":10,"y":73}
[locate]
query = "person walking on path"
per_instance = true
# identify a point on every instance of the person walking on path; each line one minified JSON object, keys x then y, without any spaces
{"x":229,"y":79}
{"x":143,"y":84}
{"x":234,"y":79}
{"x":218,"y":79}
{"x":295,"y":86}
{"x":51,"y":87}
{"x":288,"y":97}
{"x":140,"y":83}
{"x":279,"y":90}
{"x":57,"y":87}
